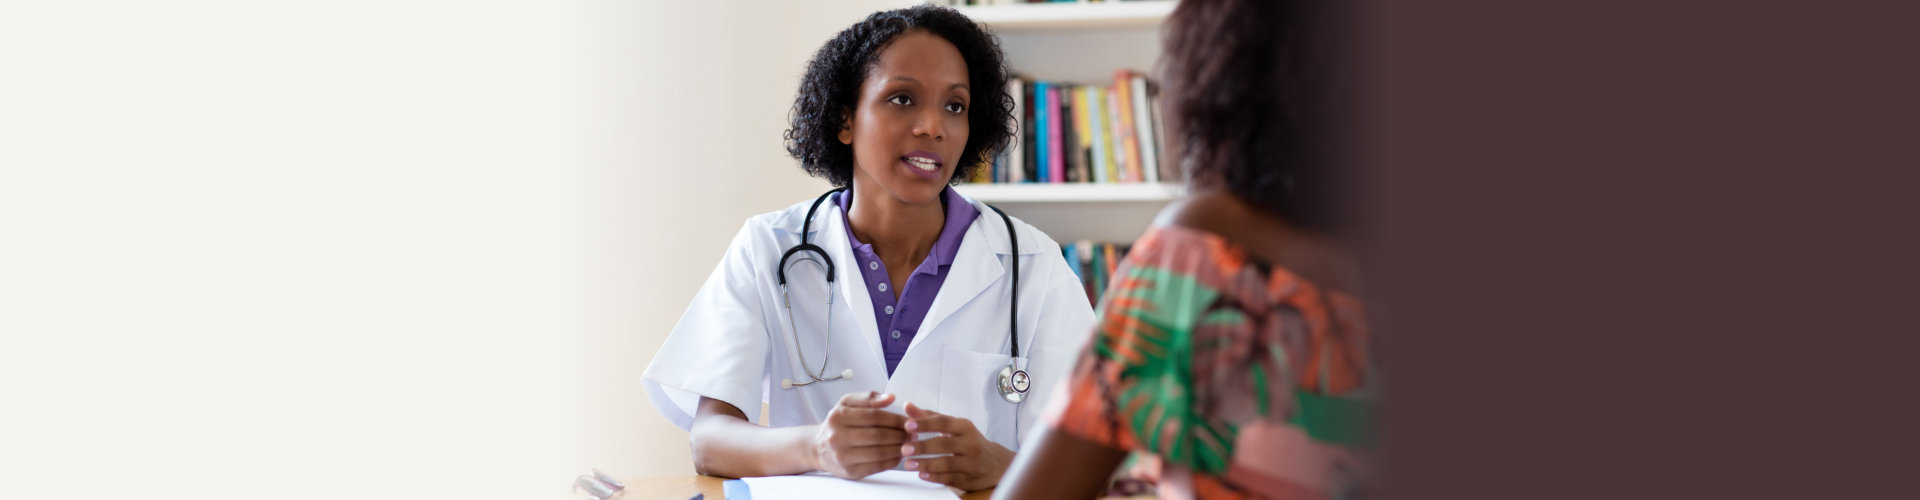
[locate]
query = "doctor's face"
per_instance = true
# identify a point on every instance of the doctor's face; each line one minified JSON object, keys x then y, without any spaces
{"x":911,"y":124}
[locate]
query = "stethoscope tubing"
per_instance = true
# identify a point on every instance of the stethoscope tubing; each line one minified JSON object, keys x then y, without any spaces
{"x":1012,"y":380}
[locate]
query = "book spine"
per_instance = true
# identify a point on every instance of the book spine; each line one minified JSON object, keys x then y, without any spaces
{"x":1069,"y":137}
{"x":1169,"y":167}
{"x":1114,"y":158}
{"x":1129,"y":141}
{"x":1015,"y":155}
{"x":1097,"y":128}
{"x":1113,"y":253}
{"x":1083,"y":133}
{"x":1056,"y":153}
{"x":1027,"y":124}
{"x":1143,"y":118}
{"x":1041,"y":116}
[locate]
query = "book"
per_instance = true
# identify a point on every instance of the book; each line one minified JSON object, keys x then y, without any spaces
{"x":1097,"y":130}
{"x":1027,"y":128}
{"x":1114,"y":254}
{"x":1115,"y":160}
{"x":1069,"y":139}
{"x":1041,"y":120}
{"x":1056,"y":155}
{"x":1098,"y":264}
{"x":1082,"y":134}
{"x":1012,"y":161}
{"x":1143,"y":118}
{"x":1129,"y":131}
{"x":1073,"y":263}
{"x":1083,"y":254}
{"x":1169,"y":167}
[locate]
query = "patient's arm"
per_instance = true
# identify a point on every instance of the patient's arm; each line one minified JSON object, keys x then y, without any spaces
{"x":1056,"y":464}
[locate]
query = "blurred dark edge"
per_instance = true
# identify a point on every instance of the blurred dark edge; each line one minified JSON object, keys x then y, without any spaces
{"x":1650,"y":249}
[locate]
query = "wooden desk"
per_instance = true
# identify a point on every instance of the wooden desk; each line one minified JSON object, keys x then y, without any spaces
{"x":685,"y":487}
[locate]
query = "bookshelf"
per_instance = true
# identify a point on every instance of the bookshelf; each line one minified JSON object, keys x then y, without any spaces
{"x":1081,"y":43}
{"x":1074,"y":192}
{"x":1051,"y":16}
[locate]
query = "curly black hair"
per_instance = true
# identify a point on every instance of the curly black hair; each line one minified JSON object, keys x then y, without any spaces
{"x":1249,"y":91}
{"x":831,"y":88}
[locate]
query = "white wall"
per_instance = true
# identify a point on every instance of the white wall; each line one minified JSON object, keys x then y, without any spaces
{"x":369,"y":249}
{"x":700,"y":93}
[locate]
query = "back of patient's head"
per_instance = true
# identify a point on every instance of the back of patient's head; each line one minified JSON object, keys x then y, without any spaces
{"x":1246,"y":91}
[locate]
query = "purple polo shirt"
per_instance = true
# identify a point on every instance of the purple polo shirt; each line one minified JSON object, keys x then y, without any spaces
{"x":899,"y":320}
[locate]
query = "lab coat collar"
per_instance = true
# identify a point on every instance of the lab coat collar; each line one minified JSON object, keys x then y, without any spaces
{"x":830,"y":233}
{"x":980,"y":261}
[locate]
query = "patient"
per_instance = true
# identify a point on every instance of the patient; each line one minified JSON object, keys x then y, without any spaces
{"x":1231,"y":352}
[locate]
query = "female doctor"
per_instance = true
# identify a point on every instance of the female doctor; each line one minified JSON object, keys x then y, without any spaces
{"x":893,"y":324}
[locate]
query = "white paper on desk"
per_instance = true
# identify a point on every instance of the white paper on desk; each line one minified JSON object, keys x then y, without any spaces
{"x":888,"y":484}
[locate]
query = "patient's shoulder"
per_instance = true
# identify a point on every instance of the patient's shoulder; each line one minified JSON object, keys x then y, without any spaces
{"x":1266,"y":238}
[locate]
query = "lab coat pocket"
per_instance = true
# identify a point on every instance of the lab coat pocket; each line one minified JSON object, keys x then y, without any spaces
{"x":969,"y":388}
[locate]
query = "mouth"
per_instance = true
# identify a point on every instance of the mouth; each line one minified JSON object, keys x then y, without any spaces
{"x":923,"y":160}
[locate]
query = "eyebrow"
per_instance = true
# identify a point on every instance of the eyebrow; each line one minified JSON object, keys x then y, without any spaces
{"x":962,"y":85}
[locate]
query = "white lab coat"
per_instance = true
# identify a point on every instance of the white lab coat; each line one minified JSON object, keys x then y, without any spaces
{"x":734,"y":344}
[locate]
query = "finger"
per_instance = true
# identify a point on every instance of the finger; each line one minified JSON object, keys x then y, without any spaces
{"x":869,"y":399}
{"x":871,"y":436}
{"x":871,"y":468}
{"x":854,"y":457}
{"x":949,"y":425}
{"x":860,"y":471}
{"x":916,"y":411}
{"x":941,"y":464}
{"x":868,"y":417}
{"x":943,"y":445}
{"x":946,"y":478}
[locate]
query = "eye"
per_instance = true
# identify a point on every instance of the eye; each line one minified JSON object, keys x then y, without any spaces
{"x":956,"y":107}
{"x":901,"y":100}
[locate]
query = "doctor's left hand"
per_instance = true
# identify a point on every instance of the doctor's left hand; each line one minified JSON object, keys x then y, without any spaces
{"x":973,"y":461}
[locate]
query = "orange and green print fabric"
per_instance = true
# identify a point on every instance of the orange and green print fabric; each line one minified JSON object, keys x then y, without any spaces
{"x":1243,"y":380}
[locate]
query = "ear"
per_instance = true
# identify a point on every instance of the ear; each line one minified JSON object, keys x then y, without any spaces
{"x":846,"y":126}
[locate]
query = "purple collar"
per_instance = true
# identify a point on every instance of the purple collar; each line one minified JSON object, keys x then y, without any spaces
{"x":960,"y":215}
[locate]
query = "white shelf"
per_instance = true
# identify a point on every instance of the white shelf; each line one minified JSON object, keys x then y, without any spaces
{"x":1073,"y":192}
{"x":1049,"y":16}
{"x":1080,"y":43}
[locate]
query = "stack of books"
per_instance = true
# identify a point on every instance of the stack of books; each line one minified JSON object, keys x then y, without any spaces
{"x":1084,"y":133}
{"x":1095,"y":264}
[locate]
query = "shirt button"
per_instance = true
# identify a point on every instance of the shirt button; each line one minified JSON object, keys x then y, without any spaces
{"x":896,"y":334}
{"x":883,"y":287}
{"x":873,"y":265}
{"x":889,"y":309}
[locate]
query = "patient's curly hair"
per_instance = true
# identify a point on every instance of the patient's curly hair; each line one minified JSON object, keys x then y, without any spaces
{"x":1252,"y":101}
{"x":831,"y":88}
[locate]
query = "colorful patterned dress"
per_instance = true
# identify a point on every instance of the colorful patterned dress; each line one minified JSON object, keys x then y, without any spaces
{"x":1242,"y":380}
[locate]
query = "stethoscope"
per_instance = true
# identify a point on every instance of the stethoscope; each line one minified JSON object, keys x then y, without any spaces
{"x":1012,"y":381}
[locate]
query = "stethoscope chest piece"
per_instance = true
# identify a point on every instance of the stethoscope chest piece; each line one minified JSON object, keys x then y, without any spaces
{"x":1013,"y":384}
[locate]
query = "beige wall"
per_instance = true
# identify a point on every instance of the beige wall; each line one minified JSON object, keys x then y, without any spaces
{"x":369,"y":249}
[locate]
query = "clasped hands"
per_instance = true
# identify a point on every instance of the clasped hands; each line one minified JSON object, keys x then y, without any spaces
{"x":860,"y":438}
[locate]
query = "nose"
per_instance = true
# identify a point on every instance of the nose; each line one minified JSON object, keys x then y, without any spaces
{"x":930,"y":124}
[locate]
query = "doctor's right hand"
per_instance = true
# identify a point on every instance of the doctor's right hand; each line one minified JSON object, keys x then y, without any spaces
{"x":859,"y":437}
